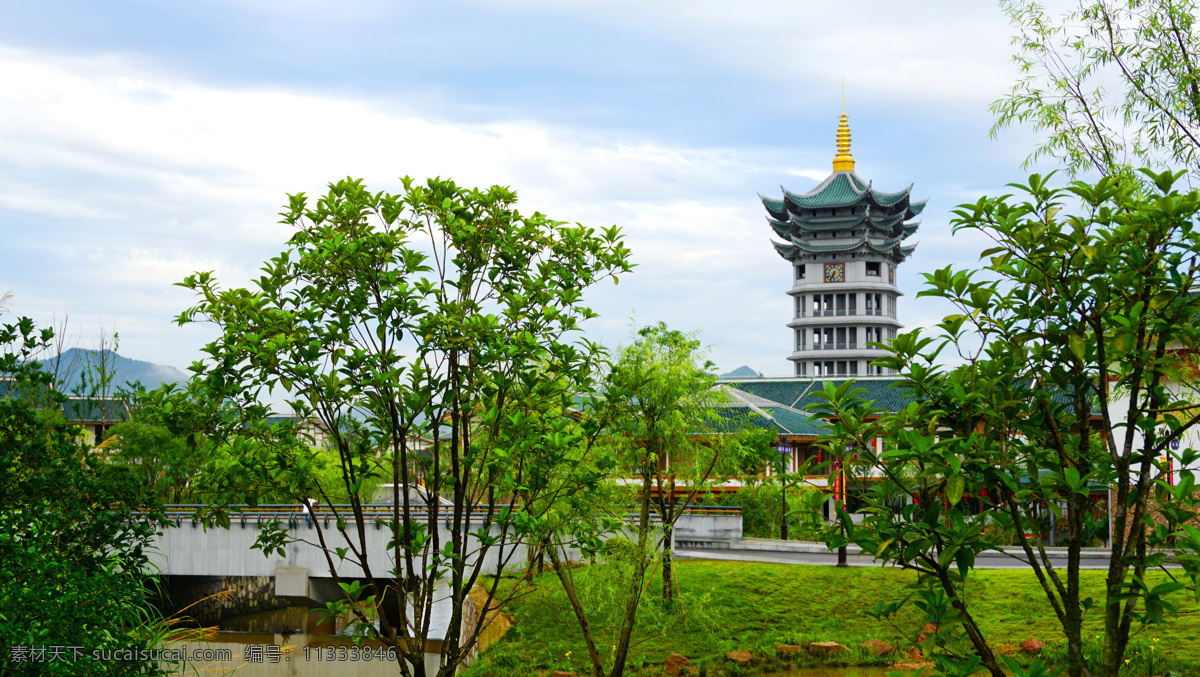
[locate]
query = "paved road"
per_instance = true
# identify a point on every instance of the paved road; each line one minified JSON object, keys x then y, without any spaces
{"x":830,"y":559}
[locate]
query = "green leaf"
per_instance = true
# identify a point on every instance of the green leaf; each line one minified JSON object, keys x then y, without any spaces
{"x":1078,"y":349}
{"x":955,"y":485}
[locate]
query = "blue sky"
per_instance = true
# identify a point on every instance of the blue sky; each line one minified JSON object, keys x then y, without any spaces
{"x":141,"y":141}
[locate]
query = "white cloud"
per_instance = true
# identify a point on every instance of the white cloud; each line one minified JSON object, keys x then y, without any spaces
{"x":119,"y":176}
{"x":149,"y":177}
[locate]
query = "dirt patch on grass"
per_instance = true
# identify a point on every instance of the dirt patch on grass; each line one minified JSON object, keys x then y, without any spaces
{"x":497,"y":622}
{"x":1006,"y":649}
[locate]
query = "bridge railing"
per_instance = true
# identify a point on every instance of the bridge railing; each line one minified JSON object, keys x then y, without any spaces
{"x":292,"y":513}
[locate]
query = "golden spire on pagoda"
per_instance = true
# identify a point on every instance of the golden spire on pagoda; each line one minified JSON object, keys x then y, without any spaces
{"x":843,"y":161}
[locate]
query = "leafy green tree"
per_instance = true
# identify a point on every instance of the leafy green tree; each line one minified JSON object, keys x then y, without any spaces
{"x":930,"y":459}
{"x":73,"y":551}
{"x":159,"y":458}
{"x":584,"y":508}
{"x":1076,"y":338}
{"x":164,"y":444}
{"x":657,"y":418}
{"x":662,"y":402}
{"x":1089,"y":378}
{"x":392,"y":317}
{"x":1112,"y":85}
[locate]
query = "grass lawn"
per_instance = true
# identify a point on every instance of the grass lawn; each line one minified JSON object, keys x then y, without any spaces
{"x":730,"y":606}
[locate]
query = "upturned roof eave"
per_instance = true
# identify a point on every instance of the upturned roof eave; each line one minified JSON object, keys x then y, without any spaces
{"x":884,"y":247}
{"x":787,"y":251}
{"x":860,"y":191}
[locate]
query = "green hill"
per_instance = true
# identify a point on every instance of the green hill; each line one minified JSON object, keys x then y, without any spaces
{"x":71,"y":365}
{"x":742,"y":372}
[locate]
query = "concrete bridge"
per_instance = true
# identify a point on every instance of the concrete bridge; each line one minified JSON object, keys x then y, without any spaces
{"x":301,"y":574}
{"x":192,"y":548}
{"x":192,"y":554}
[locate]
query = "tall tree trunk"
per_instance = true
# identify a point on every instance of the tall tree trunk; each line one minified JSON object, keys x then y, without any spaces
{"x":841,"y":489}
{"x":973,"y":632}
{"x":636,"y":583}
{"x":568,"y":584}
{"x":668,"y":568}
{"x":530,"y":561}
{"x":1116,"y":568}
{"x":1076,"y":664}
{"x":668,"y":510}
{"x":1118,"y":620}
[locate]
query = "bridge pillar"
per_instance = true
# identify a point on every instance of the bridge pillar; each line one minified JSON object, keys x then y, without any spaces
{"x":296,"y":586}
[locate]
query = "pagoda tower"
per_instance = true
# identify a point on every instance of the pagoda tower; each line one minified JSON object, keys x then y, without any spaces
{"x":843,"y":239}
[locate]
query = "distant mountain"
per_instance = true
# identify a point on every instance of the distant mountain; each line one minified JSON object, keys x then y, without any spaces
{"x":72,"y":363}
{"x":742,"y":372}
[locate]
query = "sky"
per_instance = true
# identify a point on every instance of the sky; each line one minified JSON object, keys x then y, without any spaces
{"x":142,"y":140}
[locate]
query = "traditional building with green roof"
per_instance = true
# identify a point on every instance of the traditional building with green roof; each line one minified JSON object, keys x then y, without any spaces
{"x":844,"y":240}
{"x":784,"y":405}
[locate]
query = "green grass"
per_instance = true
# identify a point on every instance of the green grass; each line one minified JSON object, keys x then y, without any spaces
{"x":755,"y":606}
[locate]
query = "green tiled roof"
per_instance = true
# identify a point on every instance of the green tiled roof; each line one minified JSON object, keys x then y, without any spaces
{"x":879,"y":222}
{"x":785,"y":250}
{"x":887,"y":246}
{"x":785,"y":391}
{"x":886,"y":393}
{"x":744,"y":409}
{"x":793,"y":422}
{"x":841,"y":189}
{"x":794,"y":215}
{"x":886,"y":222}
{"x":799,"y":393}
{"x":828,"y":223}
{"x":836,"y":191}
{"x":771,"y":203}
{"x":782,"y":420}
{"x":797,"y":396}
{"x":95,"y":410}
{"x":733,"y":418}
{"x":794,"y":397}
{"x":887,"y":199}
{"x":826,"y":247}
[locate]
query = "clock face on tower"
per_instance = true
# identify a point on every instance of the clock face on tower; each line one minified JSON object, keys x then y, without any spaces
{"x":835,"y":272}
